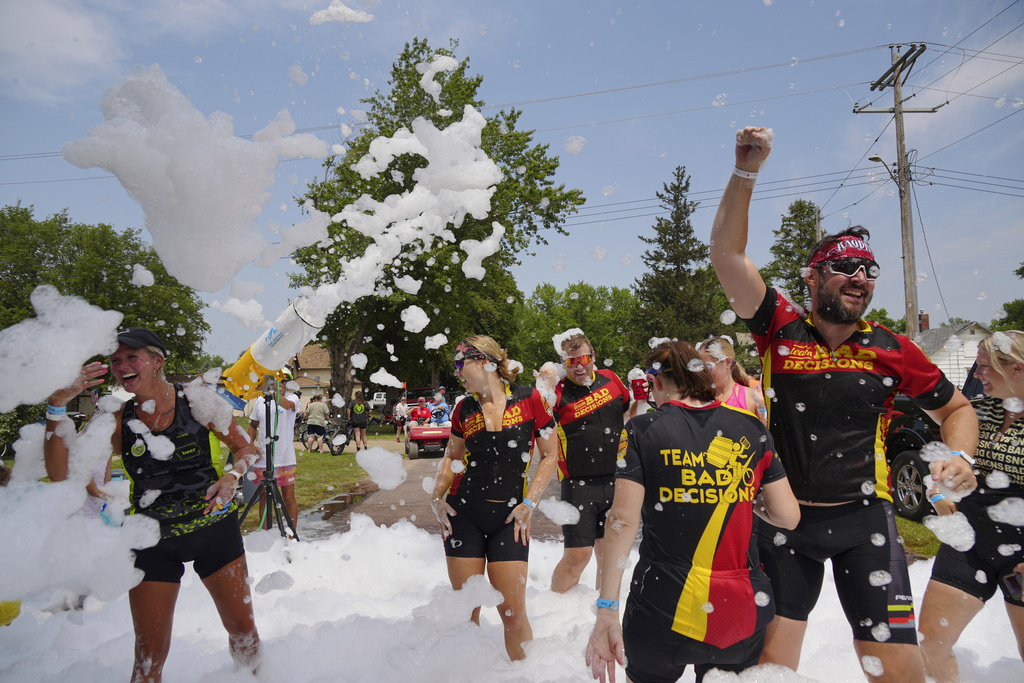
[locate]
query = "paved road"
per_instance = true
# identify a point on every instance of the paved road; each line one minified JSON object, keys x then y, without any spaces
{"x":408,"y":501}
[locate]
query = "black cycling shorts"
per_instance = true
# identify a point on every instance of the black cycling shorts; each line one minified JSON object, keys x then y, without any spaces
{"x":593,"y":498}
{"x":985,"y":560}
{"x":655,"y":654}
{"x":868,"y":564}
{"x":209,"y":548}
{"x":316,"y":430}
{"x":479,"y":530}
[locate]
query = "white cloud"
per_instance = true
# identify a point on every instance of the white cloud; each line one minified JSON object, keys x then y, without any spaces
{"x":48,"y":48}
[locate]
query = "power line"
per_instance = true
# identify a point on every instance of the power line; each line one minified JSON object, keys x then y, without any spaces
{"x":1014,"y":113}
{"x":684,"y":79}
{"x":928,"y":250}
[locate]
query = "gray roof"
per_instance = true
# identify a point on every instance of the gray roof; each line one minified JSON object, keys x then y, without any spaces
{"x":935,"y":338}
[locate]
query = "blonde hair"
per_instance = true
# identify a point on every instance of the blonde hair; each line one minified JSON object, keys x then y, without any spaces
{"x":483,"y":343}
{"x":1002,"y":354}
{"x":726,"y":350}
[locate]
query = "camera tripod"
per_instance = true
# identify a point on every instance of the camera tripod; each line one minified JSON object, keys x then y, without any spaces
{"x":268,"y":487}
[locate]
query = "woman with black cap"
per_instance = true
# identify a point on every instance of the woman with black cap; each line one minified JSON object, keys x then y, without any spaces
{"x":171,"y":453}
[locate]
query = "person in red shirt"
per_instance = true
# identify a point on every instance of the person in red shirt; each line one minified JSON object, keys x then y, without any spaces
{"x":420,"y":412}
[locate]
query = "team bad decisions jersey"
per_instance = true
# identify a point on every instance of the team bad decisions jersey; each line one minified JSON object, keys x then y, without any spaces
{"x":829,"y":410}
{"x":171,"y":488}
{"x":701,"y":469}
{"x":590,"y":425}
{"x":495,"y":463}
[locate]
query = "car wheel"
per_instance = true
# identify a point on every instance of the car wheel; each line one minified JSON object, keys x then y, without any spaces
{"x":414,"y":450}
{"x":908,"y":490}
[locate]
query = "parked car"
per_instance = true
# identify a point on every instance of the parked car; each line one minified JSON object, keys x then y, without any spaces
{"x":379,"y":400}
{"x":910,"y":430}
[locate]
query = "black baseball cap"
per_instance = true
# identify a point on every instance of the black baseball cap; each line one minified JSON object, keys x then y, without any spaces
{"x":140,"y":337}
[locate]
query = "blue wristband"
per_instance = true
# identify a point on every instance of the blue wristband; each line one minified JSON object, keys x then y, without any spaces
{"x":608,"y":604}
{"x":936,"y":498}
{"x":529,"y":503}
{"x":56,"y":410}
{"x":969,"y":459}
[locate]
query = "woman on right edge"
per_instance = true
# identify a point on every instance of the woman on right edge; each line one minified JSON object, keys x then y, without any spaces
{"x":693,"y":471}
{"x":732,"y":386}
{"x":961,"y":582}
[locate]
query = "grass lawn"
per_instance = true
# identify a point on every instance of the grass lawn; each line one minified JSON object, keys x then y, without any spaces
{"x":322,"y":476}
{"x":917,"y":538}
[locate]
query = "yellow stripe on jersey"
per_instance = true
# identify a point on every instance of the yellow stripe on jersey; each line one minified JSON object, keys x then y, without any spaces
{"x":881,"y":467}
{"x":563,"y":465}
{"x":691,"y":618}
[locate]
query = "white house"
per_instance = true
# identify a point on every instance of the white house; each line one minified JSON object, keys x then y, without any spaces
{"x":954,"y":348}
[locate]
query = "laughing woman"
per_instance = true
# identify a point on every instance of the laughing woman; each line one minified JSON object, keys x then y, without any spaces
{"x":961,"y":582}
{"x":190,"y":493}
{"x":485,"y":517}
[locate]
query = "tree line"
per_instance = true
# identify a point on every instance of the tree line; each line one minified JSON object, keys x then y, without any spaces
{"x":677,"y":295}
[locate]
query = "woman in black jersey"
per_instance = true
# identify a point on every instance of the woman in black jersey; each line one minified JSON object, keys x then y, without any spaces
{"x":171,"y":453}
{"x":485,"y":516}
{"x":696,"y":472}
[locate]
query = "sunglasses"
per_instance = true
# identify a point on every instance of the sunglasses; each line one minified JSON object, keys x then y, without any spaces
{"x":465,"y":353}
{"x":578,"y":360}
{"x":849,"y":267}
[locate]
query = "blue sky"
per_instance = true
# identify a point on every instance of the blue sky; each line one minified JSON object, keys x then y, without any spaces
{"x":654,"y":85}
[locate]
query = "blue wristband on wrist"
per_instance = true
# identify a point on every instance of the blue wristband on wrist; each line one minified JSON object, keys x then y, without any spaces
{"x":608,"y":604}
{"x":56,"y":410}
{"x":529,"y":503}
{"x":969,"y":459}
{"x":936,"y":498}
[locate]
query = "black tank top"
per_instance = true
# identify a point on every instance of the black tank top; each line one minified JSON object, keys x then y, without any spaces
{"x":181,"y":480}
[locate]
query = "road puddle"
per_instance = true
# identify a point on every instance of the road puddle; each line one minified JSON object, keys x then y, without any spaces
{"x":334,"y":506}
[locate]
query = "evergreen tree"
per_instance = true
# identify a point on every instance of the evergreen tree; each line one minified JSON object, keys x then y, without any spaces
{"x":677,"y":293}
{"x":791,"y":250}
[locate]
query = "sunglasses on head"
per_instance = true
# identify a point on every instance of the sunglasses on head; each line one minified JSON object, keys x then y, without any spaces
{"x":578,"y":360}
{"x":849,"y":267}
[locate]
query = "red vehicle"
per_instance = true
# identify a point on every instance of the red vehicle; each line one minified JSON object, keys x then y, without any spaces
{"x":424,"y":438}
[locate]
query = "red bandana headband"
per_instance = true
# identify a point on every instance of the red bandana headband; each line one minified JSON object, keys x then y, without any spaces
{"x":846,"y":246}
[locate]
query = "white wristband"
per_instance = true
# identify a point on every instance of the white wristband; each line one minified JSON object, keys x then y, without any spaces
{"x":744,"y":174}
{"x":235,"y":473}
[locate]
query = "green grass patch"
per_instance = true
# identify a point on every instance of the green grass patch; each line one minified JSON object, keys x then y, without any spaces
{"x":917,"y":538}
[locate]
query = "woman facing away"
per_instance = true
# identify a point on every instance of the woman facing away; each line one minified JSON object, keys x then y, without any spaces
{"x":480,"y":494}
{"x":359,"y":418}
{"x":962,"y":581}
{"x":172,"y":459}
{"x":696,"y":472}
{"x":732,"y":386}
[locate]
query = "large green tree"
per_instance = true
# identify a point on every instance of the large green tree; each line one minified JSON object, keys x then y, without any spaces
{"x":882,"y":317}
{"x":601,"y":312}
{"x":791,"y":251}
{"x":527,"y":202}
{"x":677,"y":294}
{"x":1014,"y":319}
{"x":96,"y":263}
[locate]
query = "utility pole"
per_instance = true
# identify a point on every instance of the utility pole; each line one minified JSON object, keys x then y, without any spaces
{"x":895,"y":77}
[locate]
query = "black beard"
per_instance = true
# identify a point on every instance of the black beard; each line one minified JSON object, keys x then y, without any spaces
{"x":831,"y":308}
